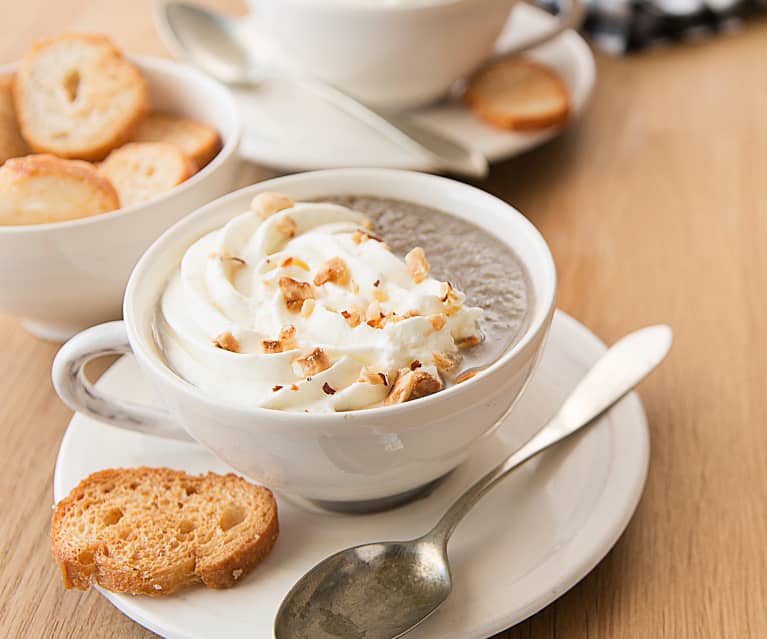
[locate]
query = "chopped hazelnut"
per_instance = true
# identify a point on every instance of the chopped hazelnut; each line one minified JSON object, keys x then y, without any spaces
{"x":447,"y":294}
{"x":307,"y":308}
{"x":373,"y":315}
{"x":271,"y":346}
{"x":358,"y":237}
{"x":295,"y":293}
{"x":373,"y":377}
{"x":334,"y":270}
{"x":412,"y":385}
{"x":415,"y":364}
{"x":266,"y":204}
{"x":328,"y":389}
{"x":437,"y":322}
{"x":314,"y":362}
{"x":467,"y":342}
{"x":294,"y":261}
{"x":417,"y":265}
{"x":276,"y":387}
{"x":287,"y":226}
{"x":465,"y":376}
{"x":352,"y":316}
{"x":446,"y":361}
{"x":376,"y":284}
{"x":227,"y":342}
{"x":294,"y":387}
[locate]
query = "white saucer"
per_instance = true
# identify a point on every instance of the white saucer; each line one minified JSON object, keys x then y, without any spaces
{"x":293,"y":131}
{"x":527,"y":542}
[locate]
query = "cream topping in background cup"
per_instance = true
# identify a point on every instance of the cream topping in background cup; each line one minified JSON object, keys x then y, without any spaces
{"x":396,"y":54}
{"x":338,"y":459}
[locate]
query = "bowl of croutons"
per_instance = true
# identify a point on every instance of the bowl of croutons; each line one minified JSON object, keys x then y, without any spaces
{"x":99,"y":154}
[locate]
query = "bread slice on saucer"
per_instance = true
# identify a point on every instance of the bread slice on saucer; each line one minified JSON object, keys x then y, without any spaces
{"x":39,"y":189}
{"x":12,"y":145}
{"x":519,"y":95}
{"x":141,"y":171}
{"x":77,"y":97}
{"x":154,"y":531}
{"x":199,"y":141}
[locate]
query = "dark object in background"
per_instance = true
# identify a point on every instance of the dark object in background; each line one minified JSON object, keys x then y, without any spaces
{"x":622,"y":26}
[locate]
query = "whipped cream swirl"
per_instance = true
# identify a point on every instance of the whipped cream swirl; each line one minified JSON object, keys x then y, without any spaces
{"x":304,"y":309}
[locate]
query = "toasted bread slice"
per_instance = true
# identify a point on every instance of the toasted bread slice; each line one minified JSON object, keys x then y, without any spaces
{"x":38,"y":189}
{"x":154,"y":531}
{"x":141,"y":171}
{"x":197,"y":140}
{"x":518,"y":94}
{"x":12,"y":145}
{"x":77,"y":97}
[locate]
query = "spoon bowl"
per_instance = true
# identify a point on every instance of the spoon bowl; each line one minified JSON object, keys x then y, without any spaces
{"x":374,"y":591}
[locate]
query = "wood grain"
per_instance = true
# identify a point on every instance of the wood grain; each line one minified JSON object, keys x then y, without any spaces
{"x":655,"y":207}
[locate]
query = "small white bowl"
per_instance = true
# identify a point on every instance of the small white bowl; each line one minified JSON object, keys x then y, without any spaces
{"x":63,"y":277}
{"x":365,"y":458}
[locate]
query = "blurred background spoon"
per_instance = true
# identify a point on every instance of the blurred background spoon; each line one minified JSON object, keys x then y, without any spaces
{"x":385,"y":589}
{"x":213,"y":43}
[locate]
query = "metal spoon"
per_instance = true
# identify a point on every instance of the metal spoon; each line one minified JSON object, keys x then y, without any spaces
{"x":213,"y":42}
{"x":383,"y":590}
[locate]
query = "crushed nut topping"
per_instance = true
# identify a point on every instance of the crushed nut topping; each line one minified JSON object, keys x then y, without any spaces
{"x":465,"y":376}
{"x":417,"y":265}
{"x":377,"y":283}
{"x":446,"y":361}
{"x":276,"y":387}
{"x":266,"y":204}
{"x":271,"y":346}
{"x":415,"y":364}
{"x":410,"y":314}
{"x":447,"y":295}
{"x":334,"y":270}
{"x":328,"y":389}
{"x":307,"y":308}
{"x":287,"y":226}
{"x":467,"y":342}
{"x":374,"y":377}
{"x":295,"y":293}
{"x":412,"y":385}
{"x":373,"y":315}
{"x":352,"y":316}
{"x":358,"y":237}
{"x":379,"y":295}
{"x":294,"y":261}
{"x":437,"y":322}
{"x":314,"y":362}
{"x":294,"y":387}
{"x":227,"y":342}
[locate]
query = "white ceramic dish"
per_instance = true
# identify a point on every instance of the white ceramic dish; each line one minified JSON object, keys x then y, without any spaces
{"x":292,"y":130}
{"x":396,"y":55}
{"x":528,"y":541}
{"x":345,"y":460}
{"x":61,"y":278}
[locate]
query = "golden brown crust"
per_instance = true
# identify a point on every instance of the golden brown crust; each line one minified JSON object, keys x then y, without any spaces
{"x":40,"y":189}
{"x":200,"y":141}
{"x":149,"y":531}
{"x":519,"y":95}
{"x":27,"y":89}
{"x":12,"y":144}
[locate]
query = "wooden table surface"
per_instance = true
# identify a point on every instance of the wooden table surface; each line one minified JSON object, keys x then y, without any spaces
{"x":655,"y":207}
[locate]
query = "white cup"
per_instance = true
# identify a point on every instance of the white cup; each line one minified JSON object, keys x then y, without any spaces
{"x":372,"y":456}
{"x":396,"y":54}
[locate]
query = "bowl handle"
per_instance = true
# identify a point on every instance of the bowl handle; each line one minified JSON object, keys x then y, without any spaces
{"x":77,"y":392}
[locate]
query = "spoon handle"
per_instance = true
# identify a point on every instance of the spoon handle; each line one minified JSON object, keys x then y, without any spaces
{"x":443,"y":152}
{"x":615,"y":374}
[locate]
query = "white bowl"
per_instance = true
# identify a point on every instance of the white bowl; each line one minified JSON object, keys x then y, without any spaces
{"x":338,"y":459}
{"x":63,"y":277}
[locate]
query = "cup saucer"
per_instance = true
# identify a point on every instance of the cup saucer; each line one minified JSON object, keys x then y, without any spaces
{"x":525,"y":544}
{"x":292,"y":130}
